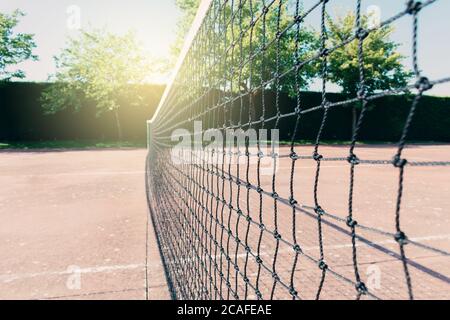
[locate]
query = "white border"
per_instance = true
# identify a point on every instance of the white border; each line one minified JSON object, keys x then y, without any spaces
{"x":200,"y":16}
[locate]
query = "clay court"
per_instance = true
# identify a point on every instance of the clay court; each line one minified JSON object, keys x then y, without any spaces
{"x":233,"y":226}
{"x":69,"y":215}
{"x":75,"y":225}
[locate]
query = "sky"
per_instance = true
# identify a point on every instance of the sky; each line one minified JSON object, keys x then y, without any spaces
{"x":154,"y":21}
{"x":52,"y":21}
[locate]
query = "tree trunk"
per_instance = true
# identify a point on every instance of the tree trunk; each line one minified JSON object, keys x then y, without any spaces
{"x":119,"y":127}
{"x":354,"y":120}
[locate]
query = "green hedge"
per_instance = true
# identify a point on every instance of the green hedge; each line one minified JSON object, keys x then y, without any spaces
{"x":21,"y":117}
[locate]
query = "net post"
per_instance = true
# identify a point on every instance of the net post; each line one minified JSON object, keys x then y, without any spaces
{"x":149,"y":133}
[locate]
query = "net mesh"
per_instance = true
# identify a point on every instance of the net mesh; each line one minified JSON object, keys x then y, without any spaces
{"x":228,"y":229}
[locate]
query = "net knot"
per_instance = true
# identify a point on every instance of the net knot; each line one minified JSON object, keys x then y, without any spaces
{"x":259,"y":260}
{"x":293,"y":202}
{"x":319,"y":211}
{"x":361,"y":287}
{"x":249,"y":219}
{"x":297,"y":249}
{"x":275,"y":277}
{"x":262,"y":227}
{"x":401,"y":238}
{"x":399,"y":162}
{"x":248,"y":249}
{"x":362,"y":94}
{"x":258,"y":294}
{"x":249,"y":185}
{"x":236,"y":267}
{"x":239,"y":212}
{"x":246,"y":279}
{"x":423,"y":84}
{"x":353,"y":159}
{"x":298,"y":19}
{"x":293,"y":292}
{"x":324,"y":53}
{"x":277,"y":236}
{"x":317,"y":156}
{"x":275,"y":195}
{"x":413,"y":7}
{"x":322,"y":265}
{"x":298,"y":110}
{"x":294,"y":156}
{"x":362,"y":33}
{"x":351,"y":223}
{"x":259,"y":190}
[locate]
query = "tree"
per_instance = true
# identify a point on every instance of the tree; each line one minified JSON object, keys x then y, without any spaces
{"x":189,"y":10}
{"x":14,"y":47}
{"x":383,"y":68}
{"x":296,"y":44}
{"x":278,"y":57}
{"x":102,"y":67}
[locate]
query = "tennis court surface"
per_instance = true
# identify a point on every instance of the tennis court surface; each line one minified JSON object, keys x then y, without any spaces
{"x":74,"y":226}
{"x":240,"y":242}
{"x":329,"y":222}
{"x":84,"y":212}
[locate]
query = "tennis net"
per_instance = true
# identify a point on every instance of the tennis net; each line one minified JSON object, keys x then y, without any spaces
{"x":271,"y":215}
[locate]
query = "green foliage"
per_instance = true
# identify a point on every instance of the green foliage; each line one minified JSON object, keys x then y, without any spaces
{"x":264,"y":57}
{"x":189,"y":10}
{"x":14,"y":47}
{"x":254,"y":54}
{"x":383,"y":68}
{"x":71,"y":145}
{"x":102,"y":67}
{"x":21,"y":118}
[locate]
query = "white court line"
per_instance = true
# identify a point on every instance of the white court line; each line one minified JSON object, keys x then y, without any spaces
{"x":105,"y":173}
{"x":7,"y":278}
{"x":338,"y":246}
{"x":418,"y":239}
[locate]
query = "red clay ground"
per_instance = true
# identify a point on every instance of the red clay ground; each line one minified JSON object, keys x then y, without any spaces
{"x":74,"y":226}
{"x":72,"y":213}
{"x":424,"y":218}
